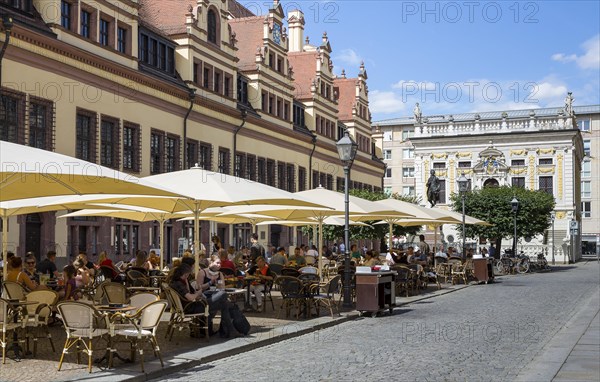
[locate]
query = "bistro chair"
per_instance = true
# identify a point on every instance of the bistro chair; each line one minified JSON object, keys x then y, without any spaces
{"x":292,"y":272}
{"x":36,"y":321}
{"x":179,"y":317}
{"x":115,"y":293}
{"x":292,"y":294}
{"x":141,"y":299}
{"x":83,"y":324}
{"x":276,"y":268}
{"x":143,"y":326}
{"x":138,"y":279}
{"x":14,"y":291}
{"x":327,"y":296}
{"x":7,"y":324}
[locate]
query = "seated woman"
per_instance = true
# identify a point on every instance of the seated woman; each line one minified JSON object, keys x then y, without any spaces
{"x":371,"y":260}
{"x":216,"y":301}
{"x":30,"y":270}
{"x":82,"y":274}
{"x":141,"y":262}
{"x":16,"y":274}
{"x":69,"y":293}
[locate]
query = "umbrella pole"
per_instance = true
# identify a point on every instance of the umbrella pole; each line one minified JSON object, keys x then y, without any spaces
{"x":320,"y":248}
{"x":4,"y":244}
{"x":196,"y":238}
{"x":161,"y":225}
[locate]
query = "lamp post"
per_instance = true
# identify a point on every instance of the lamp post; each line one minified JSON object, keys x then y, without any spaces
{"x":347,"y":151}
{"x":463,"y":186}
{"x":514,"y":203}
{"x":552,"y":218}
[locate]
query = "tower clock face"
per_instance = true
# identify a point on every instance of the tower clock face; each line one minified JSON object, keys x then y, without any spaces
{"x":277,"y":33}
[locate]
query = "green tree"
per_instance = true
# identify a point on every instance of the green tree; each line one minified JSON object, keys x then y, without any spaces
{"x":493,"y":204}
{"x":371,"y":232}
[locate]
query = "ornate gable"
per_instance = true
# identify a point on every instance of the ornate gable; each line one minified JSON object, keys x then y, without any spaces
{"x":491,"y":163}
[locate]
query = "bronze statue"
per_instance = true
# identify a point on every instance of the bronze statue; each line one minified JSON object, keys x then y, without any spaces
{"x":433,"y":189}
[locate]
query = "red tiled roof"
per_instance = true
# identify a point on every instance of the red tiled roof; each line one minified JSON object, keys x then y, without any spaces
{"x":346,"y":97}
{"x":238,"y":10}
{"x":304,"y":65}
{"x":166,"y":15}
{"x":249,"y":34}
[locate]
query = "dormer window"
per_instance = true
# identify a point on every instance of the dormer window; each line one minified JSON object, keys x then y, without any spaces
{"x":212,"y":26}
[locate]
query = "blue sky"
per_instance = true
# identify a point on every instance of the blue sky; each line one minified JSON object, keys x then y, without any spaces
{"x":463,"y":56}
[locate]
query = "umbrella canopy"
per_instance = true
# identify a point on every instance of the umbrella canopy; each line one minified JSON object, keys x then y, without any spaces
{"x":332,"y":220}
{"x":458,"y":216}
{"x":27,"y":172}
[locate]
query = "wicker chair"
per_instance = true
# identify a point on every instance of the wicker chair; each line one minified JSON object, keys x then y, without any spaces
{"x":115,"y":293}
{"x":7,"y":325}
{"x":36,"y":321}
{"x":13,"y":290}
{"x":179,"y":317}
{"x":83,"y":323}
{"x":292,"y":294}
{"x":325,"y":294}
{"x":144,"y":324}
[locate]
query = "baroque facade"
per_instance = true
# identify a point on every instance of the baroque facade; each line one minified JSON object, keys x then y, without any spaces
{"x":541,"y":149}
{"x":152,"y":86}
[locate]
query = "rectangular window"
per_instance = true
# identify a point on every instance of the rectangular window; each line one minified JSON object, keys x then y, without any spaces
{"x":40,"y":124}
{"x":143,"y":48}
{"x":408,"y":172}
{"x":286,"y":111}
{"x":323,"y":180}
{"x":408,"y":190}
{"x":227,"y":86}
{"x":172,"y":153}
{"x":586,"y":169}
{"x":86,"y":19}
{"x":156,"y":152}
{"x":85,"y":127}
{"x":408,"y":153}
{"x":170,"y":60}
{"x":65,"y":15}
{"x":217,"y":82}
{"x":584,"y":124}
{"x":270,"y":172}
{"x":131,"y":147}
{"x":122,"y":40}
{"x":242,"y":95}
{"x":261,"y":171}
{"x":388,"y":172}
{"x":546,"y":184}
{"x":251,"y":167}
{"x":545,"y":161}
{"x":162,"y":56}
{"x":442,"y":199}
{"x":191,"y":153}
{"x":301,"y":179}
{"x":12,"y":117}
{"x":205,"y":156}
{"x":224,"y":161}
{"x":517,"y":162}
{"x":153,"y":52}
{"x":387,"y":135}
{"x":298,"y":114}
{"x":104,"y":31}
{"x":587,"y":147}
{"x":281,"y":176}
{"x":518,"y":181}
{"x":408,"y":133}
{"x":340,"y":184}
{"x":291,"y":178}
{"x":586,"y":189}
{"x":109,"y":143}
{"x":387,"y":154}
{"x":464,"y":164}
{"x":239,"y":166}
{"x":586,"y":209}
{"x":329,"y":180}
{"x":271,"y":104}
{"x":315,"y":179}
{"x":206,"y":77}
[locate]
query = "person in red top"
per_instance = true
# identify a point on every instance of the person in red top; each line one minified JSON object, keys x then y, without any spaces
{"x":263,"y":274}
{"x":225,"y":262}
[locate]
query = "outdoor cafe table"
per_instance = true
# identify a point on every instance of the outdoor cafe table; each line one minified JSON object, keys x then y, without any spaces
{"x":112,"y":311}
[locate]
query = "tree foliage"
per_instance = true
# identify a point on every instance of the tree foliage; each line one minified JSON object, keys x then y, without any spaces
{"x":493,"y":204}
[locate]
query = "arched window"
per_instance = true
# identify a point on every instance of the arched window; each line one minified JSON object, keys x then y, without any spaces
{"x":212,"y":26}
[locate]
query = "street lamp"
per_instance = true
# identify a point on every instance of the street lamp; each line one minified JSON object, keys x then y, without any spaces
{"x":552,"y":219}
{"x":463,"y":186}
{"x":514,"y":203}
{"x":347,"y":151}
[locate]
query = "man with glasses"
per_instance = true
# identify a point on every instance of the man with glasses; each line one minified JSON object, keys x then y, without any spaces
{"x":29,"y":269}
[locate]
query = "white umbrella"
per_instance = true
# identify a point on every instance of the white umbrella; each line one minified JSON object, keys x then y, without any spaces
{"x":332,"y":220}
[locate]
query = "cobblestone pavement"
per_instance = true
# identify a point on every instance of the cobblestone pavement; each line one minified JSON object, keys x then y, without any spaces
{"x":482,"y":333}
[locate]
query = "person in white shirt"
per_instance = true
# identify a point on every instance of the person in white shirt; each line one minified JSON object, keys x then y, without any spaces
{"x":311,"y":255}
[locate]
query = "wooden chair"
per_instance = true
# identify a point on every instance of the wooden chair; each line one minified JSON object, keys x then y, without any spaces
{"x":178,"y":315}
{"x":143,"y":326}
{"x":83,"y":324}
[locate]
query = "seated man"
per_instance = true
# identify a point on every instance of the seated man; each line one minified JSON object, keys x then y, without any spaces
{"x":279,"y":257}
{"x":417,"y":257}
{"x":297,"y":258}
{"x":48,"y":266}
{"x":263,"y":274}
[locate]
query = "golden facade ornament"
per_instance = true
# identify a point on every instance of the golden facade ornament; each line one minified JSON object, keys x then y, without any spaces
{"x":545,"y":170}
{"x":518,"y":171}
{"x":464,"y":155}
{"x":545,"y":151}
{"x":561,"y":214}
{"x":559,"y":171}
{"x":518,"y":152}
{"x":531,"y":172}
{"x":426,"y":165}
{"x":452,"y":172}
{"x":439,"y":155}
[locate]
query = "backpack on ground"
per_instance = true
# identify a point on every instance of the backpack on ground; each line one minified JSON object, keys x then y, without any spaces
{"x":240,"y":322}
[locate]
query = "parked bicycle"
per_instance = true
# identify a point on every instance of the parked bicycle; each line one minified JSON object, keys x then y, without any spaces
{"x":539,"y":263}
{"x":509,"y":263}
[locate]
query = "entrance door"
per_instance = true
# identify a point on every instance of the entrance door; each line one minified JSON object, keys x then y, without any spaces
{"x":491,"y":183}
{"x":33,"y":235}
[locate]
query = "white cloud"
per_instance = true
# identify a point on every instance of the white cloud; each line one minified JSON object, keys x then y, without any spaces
{"x":348,"y":57}
{"x":590,"y":59}
{"x":382,"y":102}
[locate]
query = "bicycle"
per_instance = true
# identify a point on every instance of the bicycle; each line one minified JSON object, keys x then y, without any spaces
{"x":509,"y":264}
{"x":539,"y":263}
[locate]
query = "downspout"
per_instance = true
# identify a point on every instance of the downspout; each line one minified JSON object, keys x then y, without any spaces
{"x":235,"y":133}
{"x":310,"y":177}
{"x":7,"y":24}
{"x":192,"y":97}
